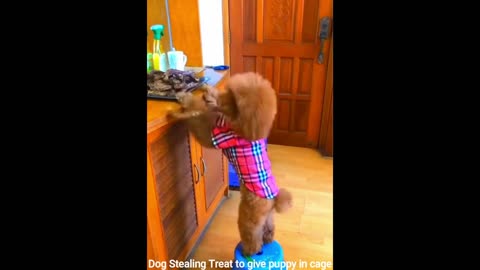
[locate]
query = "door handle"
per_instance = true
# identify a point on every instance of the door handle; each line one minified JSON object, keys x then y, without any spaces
{"x":204,"y":166}
{"x":323,"y":35}
{"x":198,"y":173}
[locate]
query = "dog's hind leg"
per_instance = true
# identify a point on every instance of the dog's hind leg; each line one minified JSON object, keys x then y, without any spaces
{"x":269,"y":229}
{"x":251,"y":234}
{"x":252,"y":217}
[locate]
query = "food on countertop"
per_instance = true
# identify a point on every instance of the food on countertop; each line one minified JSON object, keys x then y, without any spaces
{"x":172,"y":81}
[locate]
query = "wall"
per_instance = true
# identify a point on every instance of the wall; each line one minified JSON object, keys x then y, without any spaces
{"x":211,"y":28}
{"x":156,"y":15}
{"x":198,"y":32}
{"x":185,"y":24}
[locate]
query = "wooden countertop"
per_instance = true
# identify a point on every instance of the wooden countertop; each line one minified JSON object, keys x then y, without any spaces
{"x":157,"y":109}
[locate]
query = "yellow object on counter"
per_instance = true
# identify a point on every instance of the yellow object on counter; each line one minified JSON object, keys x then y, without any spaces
{"x":159,"y":56}
{"x":156,"y":61}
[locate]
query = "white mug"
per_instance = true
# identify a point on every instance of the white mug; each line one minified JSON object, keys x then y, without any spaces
{"x":177,"y":60}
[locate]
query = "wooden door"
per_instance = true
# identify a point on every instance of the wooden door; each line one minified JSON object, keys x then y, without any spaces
{"x":279,"y":39}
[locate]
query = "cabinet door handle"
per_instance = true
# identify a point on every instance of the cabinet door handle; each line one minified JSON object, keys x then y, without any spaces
{"x":198,"y":174}
{"x":204,"y":167}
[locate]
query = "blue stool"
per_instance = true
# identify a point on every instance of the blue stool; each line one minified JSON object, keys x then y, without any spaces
{"x":269,"y":258}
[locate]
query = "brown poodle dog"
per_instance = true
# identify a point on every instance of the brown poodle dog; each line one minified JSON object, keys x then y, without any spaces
{"x":238,"y":121}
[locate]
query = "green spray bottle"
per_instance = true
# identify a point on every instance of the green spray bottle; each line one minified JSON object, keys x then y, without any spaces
{"x":159,"y":57}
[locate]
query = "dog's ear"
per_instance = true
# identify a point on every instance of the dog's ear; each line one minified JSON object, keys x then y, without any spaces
{"x":227,"y":104}
{"x":253,"y":104}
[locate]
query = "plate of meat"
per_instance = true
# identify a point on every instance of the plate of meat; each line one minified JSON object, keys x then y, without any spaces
{"x":165,"y":85}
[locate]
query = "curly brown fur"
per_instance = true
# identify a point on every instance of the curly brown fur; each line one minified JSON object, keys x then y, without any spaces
{"x":249,"y":102}
{"x":250,"y":105}
{"x":255,"y":218}
{"x":197,"y":115}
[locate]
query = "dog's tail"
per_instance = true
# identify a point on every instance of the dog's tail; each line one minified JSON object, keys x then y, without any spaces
{"x":283,"y":201}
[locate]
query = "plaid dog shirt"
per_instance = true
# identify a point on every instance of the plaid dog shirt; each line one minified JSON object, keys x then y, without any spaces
{"x":249,"y":158}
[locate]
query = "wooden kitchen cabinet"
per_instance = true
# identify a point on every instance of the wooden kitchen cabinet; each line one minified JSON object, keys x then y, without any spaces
{"x":212,"y":181}
{"x":186,"y":182}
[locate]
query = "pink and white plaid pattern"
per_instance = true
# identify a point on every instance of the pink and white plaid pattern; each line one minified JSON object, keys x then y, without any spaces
{"x":249,"y":158}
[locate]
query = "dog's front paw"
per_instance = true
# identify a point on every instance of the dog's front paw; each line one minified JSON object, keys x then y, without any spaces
{"x":184,"y":98}
{"x":171,"y":114}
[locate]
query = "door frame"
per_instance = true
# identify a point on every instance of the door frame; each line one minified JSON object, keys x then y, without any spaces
{"x":325,"y":141}
{"x":226,"y":31}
